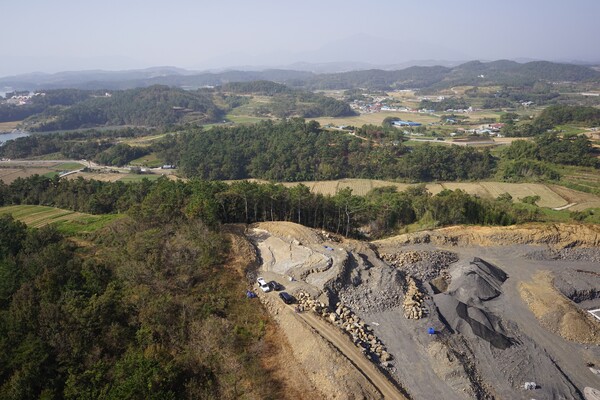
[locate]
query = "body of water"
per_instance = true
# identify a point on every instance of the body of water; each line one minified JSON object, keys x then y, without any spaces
{"x":12,"y":135}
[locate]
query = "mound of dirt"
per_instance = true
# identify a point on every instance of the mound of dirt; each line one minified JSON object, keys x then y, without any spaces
{"x":556,"y":312}
{"x":476,"y":282}
{"x":291,"y":231}
{"x":471,"y":321}
{"x":461,"y":307}
{"x":556,"y":235}
{"x":369,"y":284}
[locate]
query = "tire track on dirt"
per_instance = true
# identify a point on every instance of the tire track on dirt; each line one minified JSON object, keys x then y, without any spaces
{"x":387,"y":389}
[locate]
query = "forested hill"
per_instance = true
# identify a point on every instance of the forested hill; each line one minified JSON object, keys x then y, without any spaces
{"x":295,"y":150}
{"x":474,"y":72}
{"x":152,"y":106}
{"x":287,"y":102}
{"x":160,"y":106}
{"x":504,"y":72}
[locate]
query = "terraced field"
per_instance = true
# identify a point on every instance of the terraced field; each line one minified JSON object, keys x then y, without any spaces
{"x":551,"y":196}
{"x":66,"y":221}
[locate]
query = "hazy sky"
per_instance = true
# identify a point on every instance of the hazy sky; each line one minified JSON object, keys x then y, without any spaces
{"x":54,"y":35}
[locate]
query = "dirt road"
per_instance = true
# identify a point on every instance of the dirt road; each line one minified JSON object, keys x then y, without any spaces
{"x":350,"y":351}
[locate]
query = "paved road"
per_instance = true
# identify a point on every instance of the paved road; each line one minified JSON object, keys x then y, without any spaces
{"x":350,"y":351}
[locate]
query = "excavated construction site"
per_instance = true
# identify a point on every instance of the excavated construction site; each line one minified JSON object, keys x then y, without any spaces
{"x":456,"y":313}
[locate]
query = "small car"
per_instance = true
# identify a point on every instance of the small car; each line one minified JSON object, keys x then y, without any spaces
{"x":263,"y":285}
{"x":275,"y":285}
{"x":287,"y":298}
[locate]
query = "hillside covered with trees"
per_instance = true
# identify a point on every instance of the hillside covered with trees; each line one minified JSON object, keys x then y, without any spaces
{"x":288,"y":102}
{"x":295,"y":150}
{"x":152,"y":106}
{"x":500,"y":72}
{"x":148,"y":309}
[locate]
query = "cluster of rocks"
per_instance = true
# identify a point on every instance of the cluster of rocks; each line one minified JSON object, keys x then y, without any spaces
{"x":314,"y":269}
{"x":567,"y":254}
{"x":413,"y":301}
{"x":332,"y":237}
{"x":424,"y":265}
{"x":343,"y":317}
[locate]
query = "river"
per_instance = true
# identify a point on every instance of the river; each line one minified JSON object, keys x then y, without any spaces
{"x":11,"y":135}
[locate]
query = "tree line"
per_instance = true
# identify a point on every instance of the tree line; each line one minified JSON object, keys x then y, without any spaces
{"x":296,"y":150}
{"x":552,"y":116}
{"x":215,"y":202}
{"x":289,"y":102}
{"x":151,"y":106}
{"x":102,"y":147}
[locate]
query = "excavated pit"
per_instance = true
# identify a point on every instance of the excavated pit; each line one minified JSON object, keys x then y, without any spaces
{"x":478,"y":349}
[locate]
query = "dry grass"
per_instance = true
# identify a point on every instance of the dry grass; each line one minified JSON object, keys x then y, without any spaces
{"x":548,"y":198}
{"x":8,"y":126}
{"x":551,"y":197}
{"x":377,"y":118}
{"x":582,"y":200}
{"x":8,"y":175}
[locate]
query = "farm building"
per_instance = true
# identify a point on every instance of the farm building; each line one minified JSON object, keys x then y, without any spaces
{"x":406,"y":123}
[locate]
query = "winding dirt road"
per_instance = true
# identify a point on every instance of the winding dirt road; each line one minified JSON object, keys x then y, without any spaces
{"x":333,"y":335}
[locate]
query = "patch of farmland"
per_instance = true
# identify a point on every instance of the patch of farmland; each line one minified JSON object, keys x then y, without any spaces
{"x":104,"y":177}
{"x":66,"y":220}
{"x":323,"y":187}
{"x":548,"y":198}
{"x":582,"y":200}
{"x":360,"y":187}
{"x":434,"y":188}
{"x":471,"y":188}
{"x":8,"y":175}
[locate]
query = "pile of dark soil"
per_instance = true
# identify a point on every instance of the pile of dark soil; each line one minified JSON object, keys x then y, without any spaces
{"x":579,"y":285}
{"x":462,"y":309}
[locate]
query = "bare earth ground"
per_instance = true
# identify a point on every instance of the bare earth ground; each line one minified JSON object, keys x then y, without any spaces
{"x":502,"y":339}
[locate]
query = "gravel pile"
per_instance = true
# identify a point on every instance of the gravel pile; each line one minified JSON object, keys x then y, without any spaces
{"x":568,"y":254}
{"x":578,"y":285}
{"x":423,"y":265}
{"x":373,"y":290}
{"x":463,"y":305}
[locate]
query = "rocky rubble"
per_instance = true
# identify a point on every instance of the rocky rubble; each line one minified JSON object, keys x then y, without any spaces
{"x":344,"y":318}
{"x":372,"y":300}
{"x":423,"y":265}
{"x":413,"y":301}
{"x":568,"y":254}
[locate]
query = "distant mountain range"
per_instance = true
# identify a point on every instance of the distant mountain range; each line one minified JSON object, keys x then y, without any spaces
{"x":428,"y":75}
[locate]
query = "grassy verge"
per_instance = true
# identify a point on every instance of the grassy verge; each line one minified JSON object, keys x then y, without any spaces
{"x":151,"y":160}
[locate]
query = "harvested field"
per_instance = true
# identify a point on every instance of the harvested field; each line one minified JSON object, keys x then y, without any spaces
{"x":8,"y":126}
{"x":115,"y":176}
{"x":8,"y":175}
{"x":551,"y":196}
{"x":582,"y":200}
{"x":548,"y":198}
{"x":556,"y":312}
